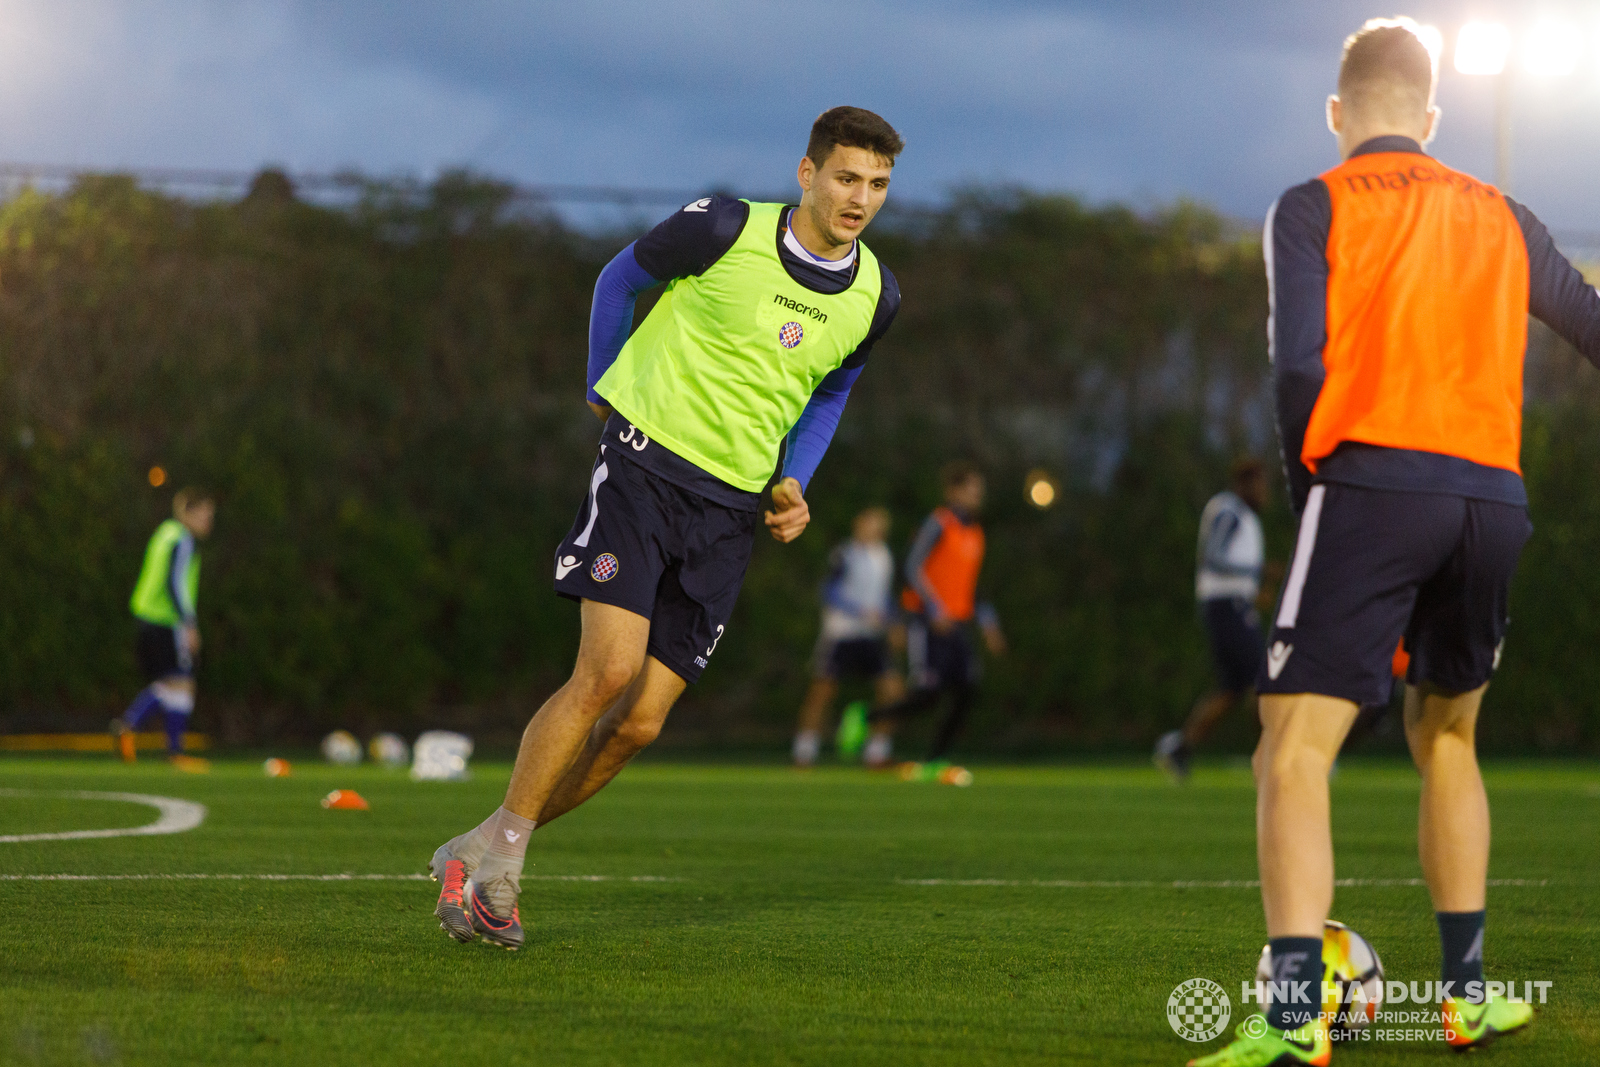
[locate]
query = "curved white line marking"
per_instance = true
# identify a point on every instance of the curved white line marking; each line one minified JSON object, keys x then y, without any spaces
{"x":177,"y":816}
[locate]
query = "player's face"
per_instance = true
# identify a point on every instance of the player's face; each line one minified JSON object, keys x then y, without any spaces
{"x":199,"y":518}
{"x":871,"y":527}
{"x":845,"y":192}
{"x":968,"y":496}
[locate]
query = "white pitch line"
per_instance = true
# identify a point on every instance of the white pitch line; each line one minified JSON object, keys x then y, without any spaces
{"x":1347,"y":883}
{"x":177,"y":816}
{"x":311,"y":878}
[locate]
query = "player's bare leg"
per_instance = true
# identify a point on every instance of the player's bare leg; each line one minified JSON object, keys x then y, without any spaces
{"x":814,"y":710}
{"x":626,"y":728}
{"x":1300,"y":737}
{"x":1174,"y":748}
{"x":611,"y":655}
{"x":889,"y":688}
{"x":1453,"y":818}
{"x":1204,"y":715}
{"x":481,"y":869}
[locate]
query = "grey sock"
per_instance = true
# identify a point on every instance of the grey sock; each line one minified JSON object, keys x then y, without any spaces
{"x":508,"y":839}
{"x":470,"y":846}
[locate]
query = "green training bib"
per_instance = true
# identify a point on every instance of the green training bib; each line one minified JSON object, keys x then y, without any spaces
{"x":724,"y":364}
{"x":152,"y":600}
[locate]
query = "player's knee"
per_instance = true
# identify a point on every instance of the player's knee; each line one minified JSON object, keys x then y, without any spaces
{"x":1287,"y":759}
{"x":637,"y":732}
{"x":604,"y":682}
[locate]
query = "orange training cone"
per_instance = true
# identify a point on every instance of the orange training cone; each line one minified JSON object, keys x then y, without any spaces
{"x":276,"y":768}
{"x":344,"y":800}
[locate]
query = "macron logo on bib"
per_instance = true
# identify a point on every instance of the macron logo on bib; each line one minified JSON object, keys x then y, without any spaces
{"x":698,"y":205}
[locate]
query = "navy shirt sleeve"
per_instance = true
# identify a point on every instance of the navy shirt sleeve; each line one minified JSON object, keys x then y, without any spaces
{"x":882,"y":317}
{"x":1295,"y":244}
{"x":692,"y":239}
{"x":1558,"y":295}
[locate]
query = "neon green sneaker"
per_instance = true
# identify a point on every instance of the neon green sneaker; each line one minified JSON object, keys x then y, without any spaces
{"x":852,"y":732}
{"x":1259,"y":1045}
{"x":1466,"y":1025}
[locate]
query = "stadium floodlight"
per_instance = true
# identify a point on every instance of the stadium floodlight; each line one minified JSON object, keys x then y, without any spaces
{"x":1483,"y":48}
{"x":1552,"y":48}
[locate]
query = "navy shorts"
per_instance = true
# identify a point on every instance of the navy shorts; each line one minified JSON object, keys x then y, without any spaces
{"x":941,"y":661}
{"x":854,"y":657}
{"x":653,"y":548}
{"x":1373,"y":565}
{"x":161,"y":652}
{"x":1235,"y":632}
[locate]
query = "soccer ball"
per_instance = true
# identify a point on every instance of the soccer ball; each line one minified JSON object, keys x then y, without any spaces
{"x":1349,"y":962}
{"x":275,"y":768}
{"x":341,"y":747}
{"x":389,"y":750}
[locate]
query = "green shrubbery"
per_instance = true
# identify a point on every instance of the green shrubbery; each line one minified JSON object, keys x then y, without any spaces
{"x":388,"y":400}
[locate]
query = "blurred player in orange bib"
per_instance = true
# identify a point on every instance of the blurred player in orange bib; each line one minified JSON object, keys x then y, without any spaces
{"x":1400,"y":294}
{"x":942,"y":570}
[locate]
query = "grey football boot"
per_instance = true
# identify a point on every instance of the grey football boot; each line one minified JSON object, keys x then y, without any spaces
{"x":492,"y":908}
{"x":448,"y":868}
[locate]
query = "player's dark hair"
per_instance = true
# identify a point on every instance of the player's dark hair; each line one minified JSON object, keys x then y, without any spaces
{"x":1387,"y":58}
{"x":955,"y":474}
{"x":852,"y":127}
{"x":188,"y":497}
{"x":1245,"y":470}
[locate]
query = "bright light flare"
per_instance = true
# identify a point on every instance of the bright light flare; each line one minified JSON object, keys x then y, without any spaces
{"x":1432,"y":39}
{"x":1483,"y":48}
{"x":1552,"y":49}
{"x":1041,"y":489}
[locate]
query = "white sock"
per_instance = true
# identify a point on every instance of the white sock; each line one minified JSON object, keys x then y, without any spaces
{"x":879,"y":748}
{"x":807,"y":744}
{"x":173,"y":698}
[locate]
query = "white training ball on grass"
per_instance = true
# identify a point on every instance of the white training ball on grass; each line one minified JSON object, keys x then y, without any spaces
{"x":341,"y":747}
{"x":1350,"y":963}
{"x":390,"y":750}
{"x":441,"y":756}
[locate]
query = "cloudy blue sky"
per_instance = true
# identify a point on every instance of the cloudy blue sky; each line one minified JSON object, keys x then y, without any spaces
{"x":1141,"y":101}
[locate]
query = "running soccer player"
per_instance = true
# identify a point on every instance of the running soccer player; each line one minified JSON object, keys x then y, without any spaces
{"x":769,"y":314}
{"x":168,"y":641}
{"x":942,"y":570}
{"x":1400,"y":294}
{"x":854,"y":642}
{"x":1227,"y":582}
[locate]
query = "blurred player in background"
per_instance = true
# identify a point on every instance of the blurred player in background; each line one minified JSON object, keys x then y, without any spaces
{"x":856,"y":614}
{"x":168,"y":641}
{"x":768,"y":317}
{"x":1400,"y":292}
{"x":942,"y":569}
{"x":1227,"y":584}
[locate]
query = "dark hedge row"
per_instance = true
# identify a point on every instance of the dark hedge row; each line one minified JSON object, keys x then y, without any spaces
{"x":388,"y":399}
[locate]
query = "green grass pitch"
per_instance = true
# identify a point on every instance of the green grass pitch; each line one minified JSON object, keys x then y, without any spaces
{"x":784,"y":923}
